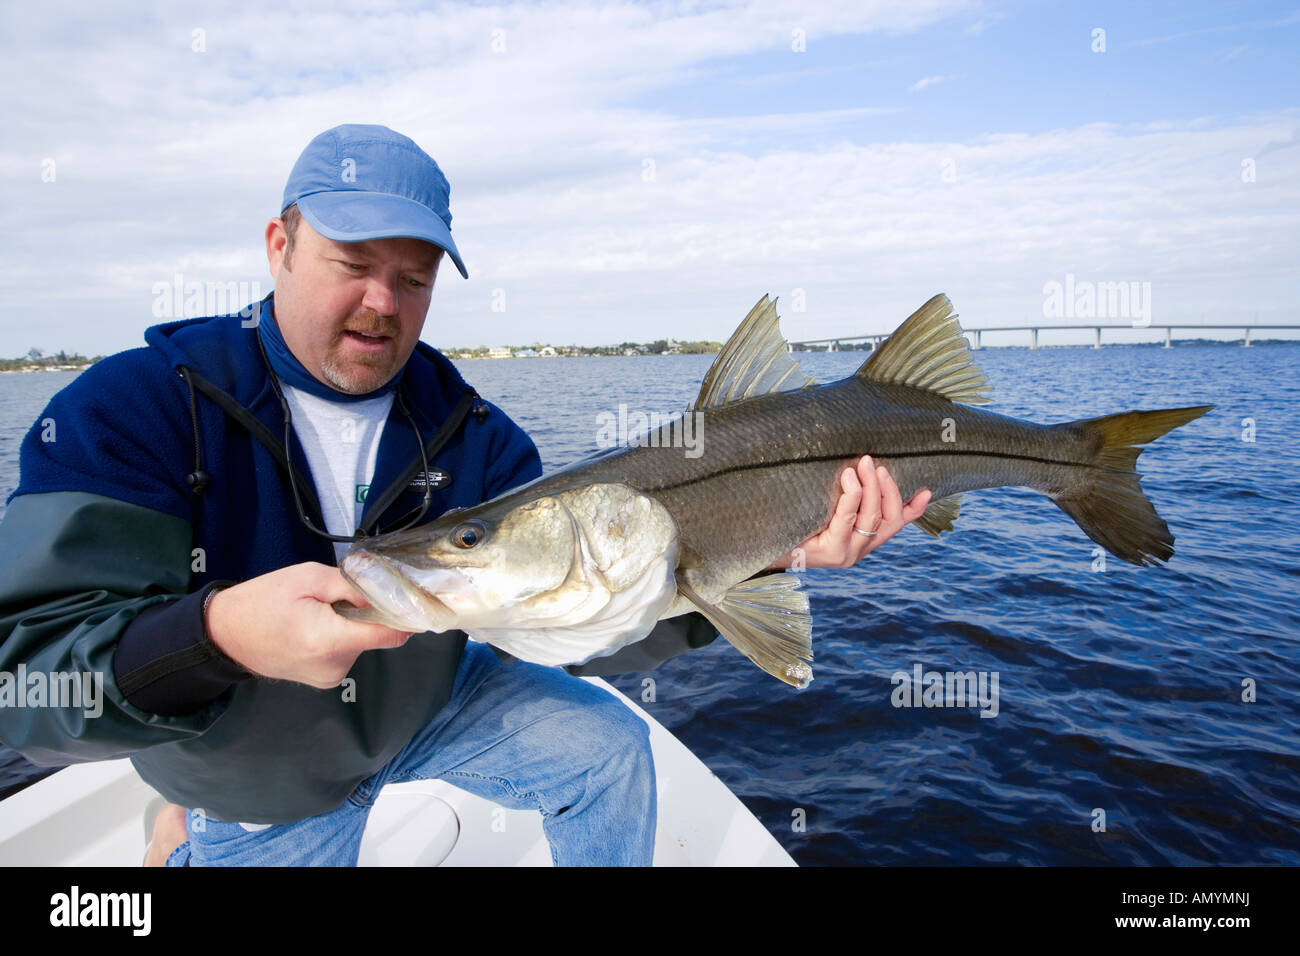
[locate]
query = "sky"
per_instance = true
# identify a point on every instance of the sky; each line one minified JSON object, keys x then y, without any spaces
{"x":636,"y":171}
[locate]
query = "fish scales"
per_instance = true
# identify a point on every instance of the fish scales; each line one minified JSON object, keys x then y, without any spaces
{"x":769,"y":468}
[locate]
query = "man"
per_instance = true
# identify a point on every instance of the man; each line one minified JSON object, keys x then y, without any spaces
{"x":185,"y":551}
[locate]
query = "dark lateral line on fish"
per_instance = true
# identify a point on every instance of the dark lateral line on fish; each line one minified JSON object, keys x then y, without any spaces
{"x":878,"y":455}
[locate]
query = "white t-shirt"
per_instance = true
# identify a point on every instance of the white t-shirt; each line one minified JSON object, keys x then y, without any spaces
{"x":341,"y":440}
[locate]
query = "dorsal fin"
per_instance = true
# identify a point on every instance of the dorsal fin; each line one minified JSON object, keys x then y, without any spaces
{"x":755,"y":361}
{"x":929,"y":352}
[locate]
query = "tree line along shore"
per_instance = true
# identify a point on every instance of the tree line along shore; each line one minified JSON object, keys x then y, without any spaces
{"x":37,"y":361}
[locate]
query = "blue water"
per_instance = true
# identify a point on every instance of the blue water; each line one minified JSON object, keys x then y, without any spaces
{"x":22,"y":396}
{"x":1120,"y":690}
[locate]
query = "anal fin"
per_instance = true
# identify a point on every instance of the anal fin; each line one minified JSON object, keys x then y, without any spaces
{"x":940,"y":515}
{"x":767,"y":619}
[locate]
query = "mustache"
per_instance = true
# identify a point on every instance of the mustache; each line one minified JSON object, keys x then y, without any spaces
{"x":371,"y":322}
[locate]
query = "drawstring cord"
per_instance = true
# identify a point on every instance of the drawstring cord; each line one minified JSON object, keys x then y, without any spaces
{"x":198,"y":479}
{"x":470,"y":403}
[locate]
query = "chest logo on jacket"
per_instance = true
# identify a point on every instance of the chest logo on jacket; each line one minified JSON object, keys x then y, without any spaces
{"x":436,"y":478}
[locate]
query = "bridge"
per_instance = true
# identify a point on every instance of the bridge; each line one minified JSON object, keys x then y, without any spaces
{"x":833,"y":344}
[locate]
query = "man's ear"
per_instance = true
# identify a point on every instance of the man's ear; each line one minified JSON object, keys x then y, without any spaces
{"x":277,"y":245}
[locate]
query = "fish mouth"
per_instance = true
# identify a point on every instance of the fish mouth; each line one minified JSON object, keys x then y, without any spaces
{"x":384,"y":585}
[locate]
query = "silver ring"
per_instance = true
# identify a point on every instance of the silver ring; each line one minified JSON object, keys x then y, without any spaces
{"x":869,"y":534}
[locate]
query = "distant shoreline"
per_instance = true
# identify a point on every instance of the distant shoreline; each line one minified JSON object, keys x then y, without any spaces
{"x":52,"y":368}
{"x":460,"y":355}
{"x":37,"y":361}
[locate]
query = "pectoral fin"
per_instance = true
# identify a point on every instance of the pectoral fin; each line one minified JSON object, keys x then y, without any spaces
{"x":767,"y":620}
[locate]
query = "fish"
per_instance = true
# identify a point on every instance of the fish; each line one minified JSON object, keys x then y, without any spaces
{"x":586,"y":560}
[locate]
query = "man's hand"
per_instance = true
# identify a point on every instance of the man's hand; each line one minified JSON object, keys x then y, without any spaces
{"x":281,"y":625}
{"x":870,"y":502}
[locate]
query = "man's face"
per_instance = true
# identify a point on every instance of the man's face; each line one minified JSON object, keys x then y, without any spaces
{"x":332,"y":293}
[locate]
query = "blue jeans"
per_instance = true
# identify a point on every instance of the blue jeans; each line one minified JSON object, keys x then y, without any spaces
{"x":524,"y":736}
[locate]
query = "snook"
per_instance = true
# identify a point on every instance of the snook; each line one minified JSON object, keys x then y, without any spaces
{"x":579,"y":563}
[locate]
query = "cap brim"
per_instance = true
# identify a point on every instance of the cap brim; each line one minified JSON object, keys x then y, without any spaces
{"x":355,"y":216}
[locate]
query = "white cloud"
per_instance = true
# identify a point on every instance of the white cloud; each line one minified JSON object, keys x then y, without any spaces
{"x":925,"y":81}
{"x":1287,"y":20}
{"x":171,"y":161}
{"x":1231,"y":53}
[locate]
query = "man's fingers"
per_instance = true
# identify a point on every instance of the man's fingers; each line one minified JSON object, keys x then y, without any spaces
{"x":888,"y":509}
{"x":360,"y":637}
{"x":354,"y":636}
{"x":846,"y":509}
{"x":850,"y":544}
{"x":346,"y":645}
{"x":386,"y":637}
{"x":916,"y":507}
{"x":869,"y":501}
{"x":327,"y":585}
{"x":869,"y":511}
{"x":890,"y":499}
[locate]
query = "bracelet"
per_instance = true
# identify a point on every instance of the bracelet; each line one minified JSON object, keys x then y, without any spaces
{"x":216,"y":651}
{"x":208,"y":600}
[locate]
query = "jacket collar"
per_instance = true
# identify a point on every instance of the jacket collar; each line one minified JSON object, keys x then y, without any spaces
{"x":224,"y":352}
{"x":291,"y":371}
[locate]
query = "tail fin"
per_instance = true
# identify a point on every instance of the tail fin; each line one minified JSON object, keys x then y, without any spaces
{"x":1112,"y":510}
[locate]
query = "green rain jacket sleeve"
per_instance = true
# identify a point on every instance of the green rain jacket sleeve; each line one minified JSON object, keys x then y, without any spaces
{"x":79,"y":565}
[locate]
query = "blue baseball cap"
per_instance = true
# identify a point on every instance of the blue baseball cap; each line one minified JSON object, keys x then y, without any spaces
{"x":359,"y":182}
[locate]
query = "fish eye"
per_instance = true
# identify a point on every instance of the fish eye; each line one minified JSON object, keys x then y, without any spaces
{"x":468,"y":535}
